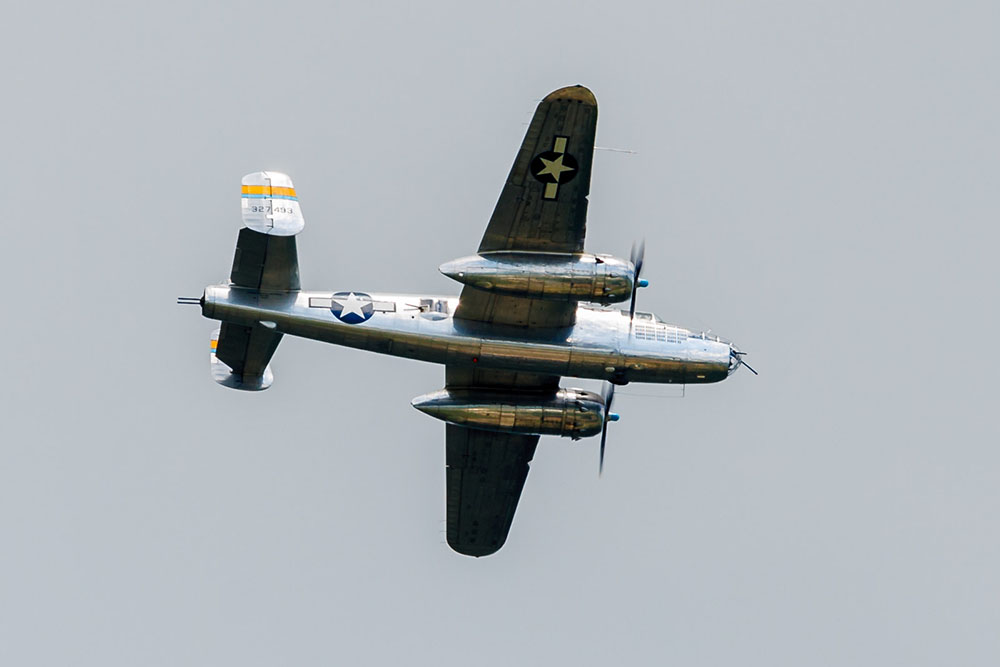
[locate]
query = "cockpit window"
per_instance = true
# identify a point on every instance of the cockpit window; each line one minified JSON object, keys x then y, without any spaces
{"x":644,"y":317}
{"x":708,"y":335}
{"x":663,"y":333}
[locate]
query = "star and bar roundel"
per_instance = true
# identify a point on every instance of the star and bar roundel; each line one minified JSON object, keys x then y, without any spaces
{"x":352,"y":307}
{"x":554,"y":167}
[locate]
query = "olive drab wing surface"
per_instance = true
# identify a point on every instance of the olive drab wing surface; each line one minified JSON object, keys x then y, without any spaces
{"x":542,"y":207}
{"x":543,"y":204}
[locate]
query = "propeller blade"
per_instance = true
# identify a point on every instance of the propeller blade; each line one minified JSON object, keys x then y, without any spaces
{"x":637,"y":256}
{"x":604,"y":437}
{"x":609,"y":398}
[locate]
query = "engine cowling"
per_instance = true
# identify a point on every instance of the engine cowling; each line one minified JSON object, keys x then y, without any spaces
{"x":572,"y":413}
{"x":554,"y":277}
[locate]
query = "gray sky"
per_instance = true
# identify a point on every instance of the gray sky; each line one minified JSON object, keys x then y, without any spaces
{"x":817,"y":181}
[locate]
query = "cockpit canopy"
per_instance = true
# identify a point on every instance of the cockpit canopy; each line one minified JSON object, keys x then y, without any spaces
{"x":644,"y":317}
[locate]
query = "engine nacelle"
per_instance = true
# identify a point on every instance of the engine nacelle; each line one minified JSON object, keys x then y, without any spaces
{"x":555,"y":277}
{"x":572,"y":413}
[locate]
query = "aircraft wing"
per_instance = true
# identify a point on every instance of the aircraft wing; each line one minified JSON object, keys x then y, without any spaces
{"x":543,"y":209}
{"x":543,"y":206}
{"x":485,"y":475}
{"x":486,"y":470}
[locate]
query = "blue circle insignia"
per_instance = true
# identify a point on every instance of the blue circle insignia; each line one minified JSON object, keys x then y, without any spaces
{"x":352,"y":307}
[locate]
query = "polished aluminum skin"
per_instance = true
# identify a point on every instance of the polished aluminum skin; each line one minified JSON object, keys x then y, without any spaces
{"x":572,"y":413}
{"x":270,"y":205}
{"x":601,"y":345}
{"x":551,"y":276}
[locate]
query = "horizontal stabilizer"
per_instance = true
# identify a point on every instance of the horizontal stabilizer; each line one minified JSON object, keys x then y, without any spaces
{"x":240,"y":356}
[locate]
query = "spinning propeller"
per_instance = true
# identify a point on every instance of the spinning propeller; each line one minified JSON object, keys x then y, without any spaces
{"x":609,"y":397}
{"x":637,"y":255}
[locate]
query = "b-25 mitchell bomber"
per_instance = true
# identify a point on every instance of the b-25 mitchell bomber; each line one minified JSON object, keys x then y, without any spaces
{"x":534,"y":307}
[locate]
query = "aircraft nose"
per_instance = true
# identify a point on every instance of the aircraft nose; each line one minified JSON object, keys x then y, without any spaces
{"x":736,"y":360}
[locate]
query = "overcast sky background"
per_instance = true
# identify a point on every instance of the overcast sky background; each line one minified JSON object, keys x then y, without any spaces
{"x":816,"y":181}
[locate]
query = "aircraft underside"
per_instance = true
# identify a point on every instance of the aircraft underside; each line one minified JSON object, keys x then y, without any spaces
{"x":598,"y":346}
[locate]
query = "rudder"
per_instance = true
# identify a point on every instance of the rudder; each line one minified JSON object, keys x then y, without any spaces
{"x":266,"y":257}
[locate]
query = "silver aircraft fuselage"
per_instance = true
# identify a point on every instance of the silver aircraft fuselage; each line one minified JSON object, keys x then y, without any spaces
{"x":601,"y":344}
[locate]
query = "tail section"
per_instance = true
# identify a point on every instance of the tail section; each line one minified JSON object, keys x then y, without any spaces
{"x":266,"y":258}
{"x":266,"y":261}
{"x":241,"y":355}
{"x":270,"y":204}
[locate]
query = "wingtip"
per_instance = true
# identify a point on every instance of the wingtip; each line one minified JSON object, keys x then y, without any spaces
{"x":576,"y":93}
{"x":476,"y":550}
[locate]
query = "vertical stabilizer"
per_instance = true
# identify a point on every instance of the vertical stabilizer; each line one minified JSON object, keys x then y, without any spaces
{"x":240,"y":356}
{"x":266,"y":258}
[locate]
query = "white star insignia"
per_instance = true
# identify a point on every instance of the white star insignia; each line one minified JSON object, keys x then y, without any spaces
{"x":352,"y":304}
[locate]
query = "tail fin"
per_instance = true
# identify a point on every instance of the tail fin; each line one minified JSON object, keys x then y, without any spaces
{"x":266,"y":258}
{"x":241,"y":355}
{"x":266,"y":261}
